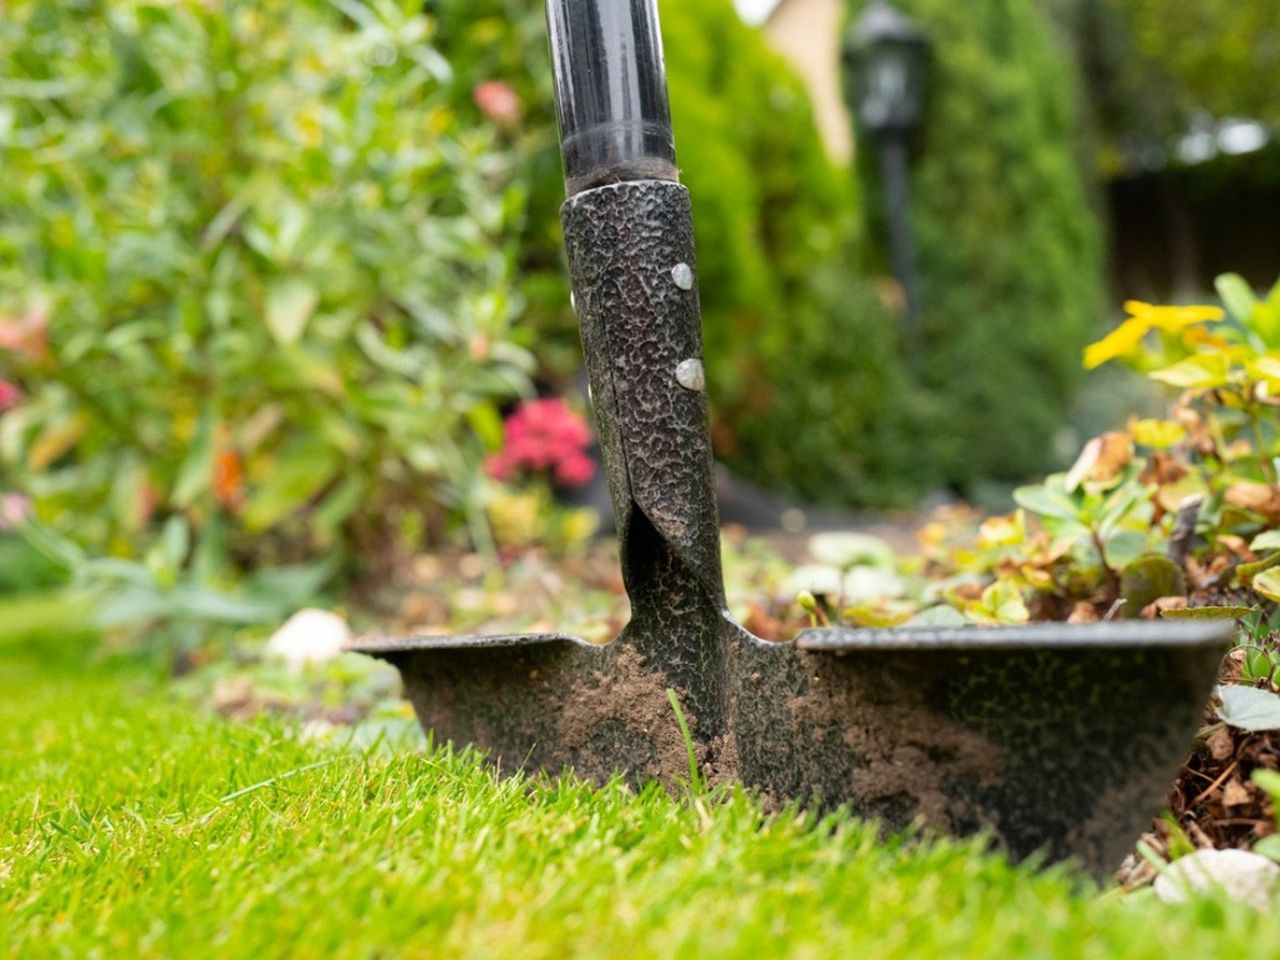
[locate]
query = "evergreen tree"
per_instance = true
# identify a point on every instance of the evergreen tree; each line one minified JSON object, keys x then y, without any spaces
{"x":1009,"y":248}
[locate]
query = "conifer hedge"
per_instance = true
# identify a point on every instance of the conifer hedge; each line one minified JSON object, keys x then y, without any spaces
{"x":1009,"y":247}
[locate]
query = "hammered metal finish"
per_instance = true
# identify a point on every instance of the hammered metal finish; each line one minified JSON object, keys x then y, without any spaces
{"x":637,"y":327}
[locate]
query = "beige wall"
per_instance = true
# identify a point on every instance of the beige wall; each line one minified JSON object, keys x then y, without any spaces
{"x":807,"y":33}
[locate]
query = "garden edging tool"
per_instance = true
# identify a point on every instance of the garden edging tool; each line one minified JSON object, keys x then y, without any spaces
{"x":1054,"y":737}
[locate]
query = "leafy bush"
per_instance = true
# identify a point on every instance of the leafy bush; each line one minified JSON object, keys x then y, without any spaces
{"x":802,"y":361}
{"x":254,"y":270}
{"x":1009,"y":251}
{"x":1175,"y":518}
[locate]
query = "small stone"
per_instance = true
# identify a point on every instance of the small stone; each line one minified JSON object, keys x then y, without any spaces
{"x":852,"y":549}
{"x":690,"y":375}
{"x":1247,"y":877}
{"x":868,"y":584}
{"x":310,"y":636}
{"x":682,"y":275}
{"x":815,"y":578}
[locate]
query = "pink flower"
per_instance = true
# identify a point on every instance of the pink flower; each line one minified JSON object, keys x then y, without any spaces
{"x":544,"y":436}
{"x":496,"y":100}
{"x":28,"y":334}
{"x":10,"y":395}
{"x":15,"y":509}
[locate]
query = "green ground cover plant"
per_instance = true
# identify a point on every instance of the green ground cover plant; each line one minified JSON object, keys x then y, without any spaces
{"x":131,"y":824}
{"x":1166,"y":517}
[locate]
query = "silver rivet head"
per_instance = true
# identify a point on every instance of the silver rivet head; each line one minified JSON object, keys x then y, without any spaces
{"x":682,"y":275}
{"x":689,"y":374}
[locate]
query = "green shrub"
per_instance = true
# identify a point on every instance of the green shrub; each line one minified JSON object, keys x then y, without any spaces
{"x":802,"y":361}
{"x":1009,"y":249}
{"x":270,"y":262}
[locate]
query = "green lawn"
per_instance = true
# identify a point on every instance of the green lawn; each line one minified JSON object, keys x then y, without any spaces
{"x":133,"y":826}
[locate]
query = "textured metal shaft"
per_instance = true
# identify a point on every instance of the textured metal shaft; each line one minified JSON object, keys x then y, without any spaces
{"x":631,"y":258}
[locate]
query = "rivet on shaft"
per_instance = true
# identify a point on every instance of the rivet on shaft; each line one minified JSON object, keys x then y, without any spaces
{"x":689,"y":375}
{"x":682,"y":275}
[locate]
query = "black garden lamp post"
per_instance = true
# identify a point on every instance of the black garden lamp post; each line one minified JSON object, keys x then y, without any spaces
{"x":886,"y":59}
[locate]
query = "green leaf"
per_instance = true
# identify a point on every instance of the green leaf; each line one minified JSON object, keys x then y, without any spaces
{"x":1249,"y":708}
{"x":293,"y":586}
{"x":300,"y":473}
{"x":1266,"y":583}
{"x":1268,"y":847}
{"x":1267,"y":540}
{"x":1149,"y":578}
{"x":1121,"y":503}
{"x":340,"y":504}
{"x":1001,"y":603}
{"x":290,"y":303}
{"x":1124,"y":547}
{"x":1046,"y":501}
{"x":487,"y":425}
{"x":207,"y":603}
{"x":197,"y":469}
{"x":1203,"y":371}
{"x":1237,"y":296}
{"x":1245,"y":572}
{"x":175,"y":542}
{"x":1268,"y":780}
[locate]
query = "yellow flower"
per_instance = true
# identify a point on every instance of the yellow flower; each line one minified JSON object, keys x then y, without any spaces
{"x":1143,"y":317}
{"x":1120,"y":342}
{"x":1158,"y":434}
{"x":1172,"y":319}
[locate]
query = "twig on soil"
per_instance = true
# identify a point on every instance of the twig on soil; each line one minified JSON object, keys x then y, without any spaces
{"x":1222,"y":778}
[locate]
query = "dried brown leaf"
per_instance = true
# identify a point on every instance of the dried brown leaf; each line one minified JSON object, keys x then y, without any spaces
{"x":1261,"y":498}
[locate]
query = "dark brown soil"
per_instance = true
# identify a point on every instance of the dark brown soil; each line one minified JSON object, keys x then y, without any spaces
{"x":631,"y":697}
{"x":909,"y":750}
{"x":1213,"y":802}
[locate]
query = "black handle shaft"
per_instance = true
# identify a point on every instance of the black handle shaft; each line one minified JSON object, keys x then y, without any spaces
{"x":611,"y":92}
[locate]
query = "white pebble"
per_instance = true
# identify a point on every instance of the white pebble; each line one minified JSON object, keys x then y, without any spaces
{"x":310,"y":636}
{"x":1247,"y":877}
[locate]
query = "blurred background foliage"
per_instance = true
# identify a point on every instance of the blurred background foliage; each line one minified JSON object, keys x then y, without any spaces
{"x":1010,"y":252}
{"x":1154,"y":67}
{"x":271,"y":273}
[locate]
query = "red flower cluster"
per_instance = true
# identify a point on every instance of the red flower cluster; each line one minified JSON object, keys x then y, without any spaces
{"x":544,"y":435}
